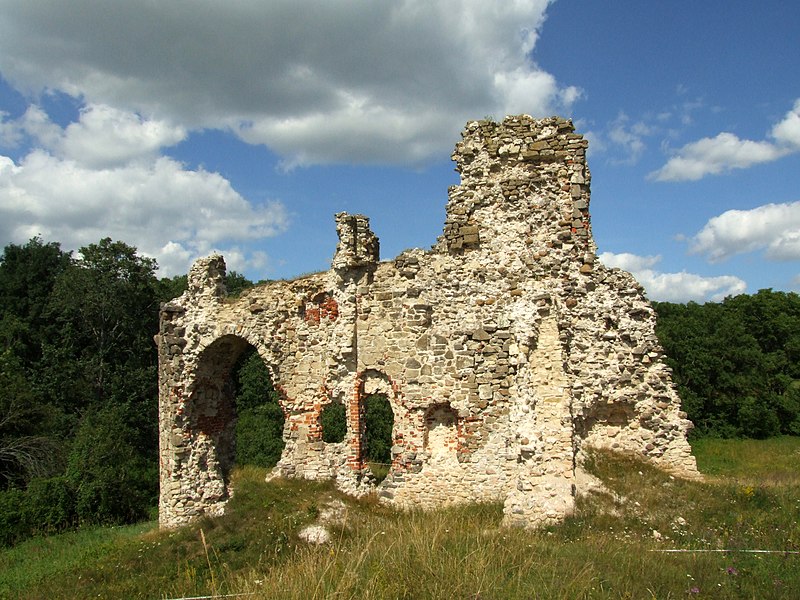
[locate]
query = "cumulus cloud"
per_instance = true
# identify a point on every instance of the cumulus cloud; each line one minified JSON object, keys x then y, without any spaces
{"x":788,"y":130}
{"x":102,"y":176}
{"x":318,"y":82}
{"x":10,"y":134}
{"x":773,"y":228}
{"x":103,"y":136}
{"x":726,"y":151}
{"x":674,"y":287}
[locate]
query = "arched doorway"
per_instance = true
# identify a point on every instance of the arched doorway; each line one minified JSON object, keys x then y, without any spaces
{"x":233,"y":403}
{"x":376,"y":423}
{"x":378,"y":426}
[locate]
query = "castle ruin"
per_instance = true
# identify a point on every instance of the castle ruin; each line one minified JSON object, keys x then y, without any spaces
{"x":506,"y":351}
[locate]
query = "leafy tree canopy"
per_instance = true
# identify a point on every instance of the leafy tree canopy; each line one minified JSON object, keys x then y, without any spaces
{"x":736,"y":363}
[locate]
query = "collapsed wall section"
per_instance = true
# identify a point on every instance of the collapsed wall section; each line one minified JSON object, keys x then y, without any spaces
{"x":505,"y":352}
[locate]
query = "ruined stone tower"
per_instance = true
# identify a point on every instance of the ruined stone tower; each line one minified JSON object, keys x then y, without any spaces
{"x":505,"y":352}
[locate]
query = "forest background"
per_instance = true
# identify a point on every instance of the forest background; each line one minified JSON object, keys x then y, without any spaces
{"x":78,"y":382}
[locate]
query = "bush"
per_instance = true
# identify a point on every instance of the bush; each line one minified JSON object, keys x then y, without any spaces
{"x":259,"y":427}
{"x":49,"y":505}
{"x":758,"y":419}
{"x":378,"y":424}
{"x":113,"y":483}
{"x":12,"y":523}
{"x":45,"y":507}
{"x":333,"y":420}
{"x":259,"y":435}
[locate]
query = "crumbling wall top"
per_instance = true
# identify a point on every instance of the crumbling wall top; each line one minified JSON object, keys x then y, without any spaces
{"x":358,"y":245}
{"x":207,"y":277}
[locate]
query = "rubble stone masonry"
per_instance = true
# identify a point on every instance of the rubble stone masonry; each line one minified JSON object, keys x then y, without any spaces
{"x":505,"y":352}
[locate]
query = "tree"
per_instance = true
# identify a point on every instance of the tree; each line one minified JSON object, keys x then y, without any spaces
{"x":236,"y":283}
{"x":333,"y":420}
{"x":27,"y":276}
{"x":78,"y":376}
{"x":736,"y":363}
{"x":26,"y":451}
{"x":260,"y":419}
{"x":105,"y":308}
{"x":112,"y":481}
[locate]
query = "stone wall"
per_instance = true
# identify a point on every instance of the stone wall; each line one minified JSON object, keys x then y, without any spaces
{"x":505,"y":352}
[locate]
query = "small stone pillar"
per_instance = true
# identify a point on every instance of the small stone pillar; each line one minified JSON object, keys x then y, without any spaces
{"x":358,"y":246}
{"x":207,"y":277}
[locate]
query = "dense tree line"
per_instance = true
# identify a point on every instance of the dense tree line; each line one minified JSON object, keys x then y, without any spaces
{"x":736,"y":363}
{"x":78,"y":385}
{"x":78,"y":382}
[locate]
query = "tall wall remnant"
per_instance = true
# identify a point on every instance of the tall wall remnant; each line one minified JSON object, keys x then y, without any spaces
{"x":505,"y":352}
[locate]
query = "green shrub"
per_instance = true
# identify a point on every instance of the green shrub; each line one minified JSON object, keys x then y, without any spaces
{"x":378,"y":424}
{"x":259,"y":435}
{"x":333,"y":420}
{"x":113,"y":483}
{"x":259,"y":427}
{"x":49,"y":505}
{"x":12,"y":522}
{"x":758,"y":419}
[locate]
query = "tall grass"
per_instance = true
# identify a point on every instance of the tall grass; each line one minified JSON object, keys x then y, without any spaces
{"x":610,"y":548}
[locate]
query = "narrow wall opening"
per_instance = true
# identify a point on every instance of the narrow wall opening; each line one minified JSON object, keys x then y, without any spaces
{"x":377,"y":425}
{"x":333,"y":421}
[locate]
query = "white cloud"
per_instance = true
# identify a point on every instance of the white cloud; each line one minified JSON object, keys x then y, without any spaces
{"x":103,"y":176}
{"x":168,"y":212}
{"x":726,"y":151}
{"x":788,"y":130}
{"x":102,"y":137}
{"x":712,"y":156}
{"x":317,"y":81}
{"x":105,"y":136}
{"x":629,"y":137}
{"x":10,"y":132}
{"x":773,"y":228}
{"x":674,"y":287}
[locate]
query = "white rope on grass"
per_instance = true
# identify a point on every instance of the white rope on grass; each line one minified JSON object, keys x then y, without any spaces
{"x":682,"y":550}
{"x":215,"y":596}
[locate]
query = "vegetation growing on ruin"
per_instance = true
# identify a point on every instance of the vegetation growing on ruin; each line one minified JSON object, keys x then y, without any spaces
{"x":613,"y":547}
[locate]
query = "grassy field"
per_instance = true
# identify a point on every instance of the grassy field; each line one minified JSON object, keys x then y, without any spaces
{"x":613,"y":547}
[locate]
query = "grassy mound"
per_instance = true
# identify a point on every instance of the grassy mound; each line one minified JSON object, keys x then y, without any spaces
{"x":613,"y":547}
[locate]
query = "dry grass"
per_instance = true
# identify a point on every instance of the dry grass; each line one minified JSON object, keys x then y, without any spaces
{"x":608,"y":549}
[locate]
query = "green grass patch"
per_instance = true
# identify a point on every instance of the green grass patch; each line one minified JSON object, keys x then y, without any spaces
{"x":610,"y":548}
{"x":774,"y":460}
{"x":32,"y":563}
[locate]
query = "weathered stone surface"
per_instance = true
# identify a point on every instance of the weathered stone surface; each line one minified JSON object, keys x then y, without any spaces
{"x":505,"y":352}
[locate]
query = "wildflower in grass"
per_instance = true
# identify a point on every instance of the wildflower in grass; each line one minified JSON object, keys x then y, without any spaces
{"x":694,"y":590}
{"x":731,"y":571}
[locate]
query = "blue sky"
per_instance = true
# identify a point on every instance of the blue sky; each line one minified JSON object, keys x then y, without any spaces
{"x":242,"y":127}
